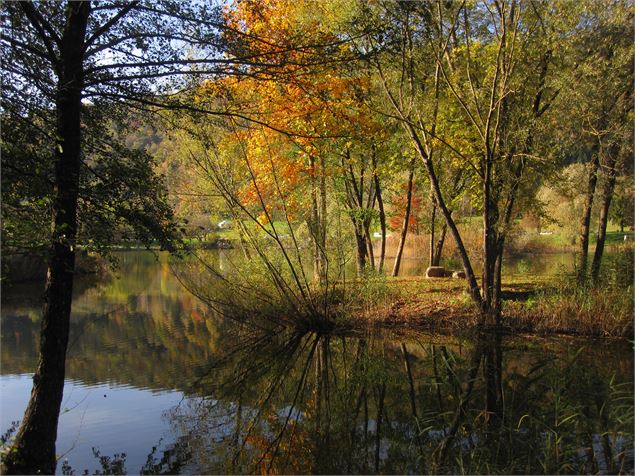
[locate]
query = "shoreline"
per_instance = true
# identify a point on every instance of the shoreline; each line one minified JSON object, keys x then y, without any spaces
{"x":531,"y":306}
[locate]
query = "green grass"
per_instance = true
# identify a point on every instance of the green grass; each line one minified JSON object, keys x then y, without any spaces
{"x":617,"y":237}
{"x":534,"y":305}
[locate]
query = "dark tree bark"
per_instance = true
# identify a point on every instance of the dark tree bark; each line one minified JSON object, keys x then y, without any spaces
{"x":473,"y":287}
{"x":369,"y":243}
{"x":605,"y":205}
{"x":411,"y":384}
{"x":34,"y":448}
{"x":438,"y":250}
{"x":380,"y":419}
{"x":406,"y":219}
{"x":461,"y":409}
{"x":494,"y":401}
{"x":382,"y":217}
{"x":360,"y":201}
{"x":317,"y":225}
{"x":322,"y":222}
{"x":360,"y":240}
{"x":490,"y":239}
{"x":433,"y":217}
{"x":585,"y":221}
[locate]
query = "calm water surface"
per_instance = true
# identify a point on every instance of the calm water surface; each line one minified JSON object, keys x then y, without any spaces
{"x":155,"y":374}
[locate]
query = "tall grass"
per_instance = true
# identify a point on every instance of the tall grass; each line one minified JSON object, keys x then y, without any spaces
{"x":568,"y":306}
{"x":418,"y":246}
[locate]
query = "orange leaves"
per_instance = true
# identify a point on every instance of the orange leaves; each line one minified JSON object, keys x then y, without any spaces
{"x":297,"y":86}
{"x":272,"y":457}
{"x":272,"y":176}
{"x":305,"y":93}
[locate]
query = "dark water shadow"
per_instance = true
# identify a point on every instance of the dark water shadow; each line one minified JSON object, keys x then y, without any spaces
{"x":335,"y":404}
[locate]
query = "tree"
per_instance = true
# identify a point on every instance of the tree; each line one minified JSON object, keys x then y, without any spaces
{"x":493,"y":77}
{"x":313,"y":115}
{"x":409,"y":220}
{"x":623,"y":209}
{"x":598,"y":108}
{"x":61,"y":59}
{"x":120,"y":197}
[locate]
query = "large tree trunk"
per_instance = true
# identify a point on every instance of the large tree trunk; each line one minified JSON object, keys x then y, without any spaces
{"x":607,"y":196}
{"x":34,"y":448}
{"x":360,"y":240}
{"x":406,"y":219}
{"x":585,"y":221}
{"x":490,"y":249}
{"x":438,"y":251}
{"x":382,"y":224}
{"x":433,"y":217}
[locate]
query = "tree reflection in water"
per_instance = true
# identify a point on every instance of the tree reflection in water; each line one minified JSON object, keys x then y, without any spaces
{"x":347,"y":404}
{"x":373,"y":403}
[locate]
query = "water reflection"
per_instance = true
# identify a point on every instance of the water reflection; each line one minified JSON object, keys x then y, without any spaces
{"x":139,"y":327}
{"x":188,"y":392}
{"x":342,"y":404}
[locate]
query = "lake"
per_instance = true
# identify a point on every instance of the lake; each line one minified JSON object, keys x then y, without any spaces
{"x":159,"y":383}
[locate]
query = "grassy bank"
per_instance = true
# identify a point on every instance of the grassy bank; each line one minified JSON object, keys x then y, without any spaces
{"x":531,"y":305}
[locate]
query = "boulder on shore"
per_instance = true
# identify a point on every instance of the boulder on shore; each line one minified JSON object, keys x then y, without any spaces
{"x":435,"y":272}
{"x":459,"y":274}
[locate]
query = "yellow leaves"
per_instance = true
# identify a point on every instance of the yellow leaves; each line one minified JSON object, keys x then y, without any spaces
{"x":296,"y":99}
{"x":263,"y":219}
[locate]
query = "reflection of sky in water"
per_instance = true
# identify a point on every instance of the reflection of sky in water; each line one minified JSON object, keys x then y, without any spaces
{"x":114,"y":419}
{"x":97,"y":410}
